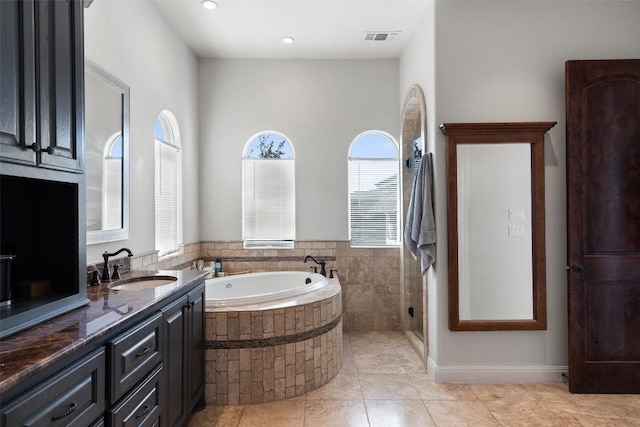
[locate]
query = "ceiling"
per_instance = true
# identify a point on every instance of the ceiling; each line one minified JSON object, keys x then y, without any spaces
{"x":323,"y":29}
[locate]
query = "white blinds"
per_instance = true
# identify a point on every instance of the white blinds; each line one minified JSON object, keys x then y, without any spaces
{"x":166,"y":201}
{"x":112,"y":193}
{"x":373,"y":202}
{"x":269,"y":202}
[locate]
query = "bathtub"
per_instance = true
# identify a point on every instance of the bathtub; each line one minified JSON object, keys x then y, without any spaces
{"x":260,"y":288}
{"x":271,"y":336}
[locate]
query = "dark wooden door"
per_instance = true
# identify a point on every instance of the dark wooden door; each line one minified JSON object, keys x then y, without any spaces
{"x":603,"y":225}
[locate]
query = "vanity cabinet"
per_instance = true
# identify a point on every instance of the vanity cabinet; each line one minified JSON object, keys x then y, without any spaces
{"x":146,"y":372}
{"x":184,"y":329}
{"x":42,"y":84}
{"x":73,"y":397}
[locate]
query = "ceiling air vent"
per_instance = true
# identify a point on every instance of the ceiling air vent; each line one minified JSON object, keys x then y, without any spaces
{"x":381,"y":36}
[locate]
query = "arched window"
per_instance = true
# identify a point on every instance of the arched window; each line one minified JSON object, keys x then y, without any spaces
{"x":268,"y":202}
{"x":168,"y":197}
{"x":112,"y":183}
{"x":373,"y":191}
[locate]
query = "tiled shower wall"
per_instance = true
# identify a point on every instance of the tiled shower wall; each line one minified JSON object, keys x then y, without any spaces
{"x":370,"y":277}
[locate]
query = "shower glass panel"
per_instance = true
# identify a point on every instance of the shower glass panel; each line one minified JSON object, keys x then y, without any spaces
{"x":416,"y":299}
{"x":413,"y":146}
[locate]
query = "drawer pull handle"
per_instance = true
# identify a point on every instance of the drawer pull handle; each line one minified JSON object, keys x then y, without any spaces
{"x":70,"y":410}
{"x":144,"y":411}
{"x":143,"y":352}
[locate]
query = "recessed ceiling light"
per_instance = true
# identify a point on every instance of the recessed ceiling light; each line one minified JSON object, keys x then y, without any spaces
{"x":288,"y":40}
{"x":209,"y":4}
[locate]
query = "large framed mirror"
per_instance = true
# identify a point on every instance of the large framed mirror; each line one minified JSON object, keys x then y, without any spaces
{"x":106,"y":155}
{"x":496,"y":228}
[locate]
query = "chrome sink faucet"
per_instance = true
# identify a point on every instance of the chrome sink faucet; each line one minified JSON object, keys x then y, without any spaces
{"x":320,"y":263}
{"x":106,"y":277}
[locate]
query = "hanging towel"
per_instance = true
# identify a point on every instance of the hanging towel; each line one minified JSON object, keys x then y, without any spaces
{"x":420,"y":227}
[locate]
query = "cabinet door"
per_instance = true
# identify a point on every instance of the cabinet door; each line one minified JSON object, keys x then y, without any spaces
{"x":74,"y":397}
{"x":195,"y":364}
{"x":60,"y":81}
{"x":176,"y":348}
{"x":17,"y":83}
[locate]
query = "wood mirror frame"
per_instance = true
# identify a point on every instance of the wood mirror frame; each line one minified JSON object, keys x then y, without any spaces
{"x":531,"y":133}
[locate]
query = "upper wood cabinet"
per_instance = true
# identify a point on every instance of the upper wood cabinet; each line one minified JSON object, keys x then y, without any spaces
{"x":41,"y":89}
{"x":42,"y":155}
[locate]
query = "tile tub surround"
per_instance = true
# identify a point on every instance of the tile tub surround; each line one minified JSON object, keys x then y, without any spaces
{"x":370,"y":277}
{"x":272,"y":354}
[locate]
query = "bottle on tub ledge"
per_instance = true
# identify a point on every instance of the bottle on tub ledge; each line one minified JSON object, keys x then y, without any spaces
{"x":218,"y":270}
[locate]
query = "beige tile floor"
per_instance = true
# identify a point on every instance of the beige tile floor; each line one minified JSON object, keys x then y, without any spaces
{"x":383,"y":383}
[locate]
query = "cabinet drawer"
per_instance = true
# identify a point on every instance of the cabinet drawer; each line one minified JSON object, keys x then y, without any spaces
{"x":141,"y":407}
{"x":133,"y":355}
{"x":98,"y":423}
{"x":73,"y":397}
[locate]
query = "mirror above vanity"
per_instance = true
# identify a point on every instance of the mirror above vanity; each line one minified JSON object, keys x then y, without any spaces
{"x":107,"y":155}
{"x":496,"y":230}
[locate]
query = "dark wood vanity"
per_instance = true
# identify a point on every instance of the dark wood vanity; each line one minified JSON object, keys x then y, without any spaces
{"x":128,"y":355}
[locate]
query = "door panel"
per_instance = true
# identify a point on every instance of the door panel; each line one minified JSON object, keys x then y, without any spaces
{"x":603,"y":225}
{"x":17,"y":85}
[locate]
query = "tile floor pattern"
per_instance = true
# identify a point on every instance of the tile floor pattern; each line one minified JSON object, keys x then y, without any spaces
{"x":382,"y":383}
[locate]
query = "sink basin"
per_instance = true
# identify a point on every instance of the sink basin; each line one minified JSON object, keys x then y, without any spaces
{"x":139,"y":283}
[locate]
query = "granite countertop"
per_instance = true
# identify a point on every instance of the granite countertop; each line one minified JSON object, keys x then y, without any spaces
{"x":27,"y":353}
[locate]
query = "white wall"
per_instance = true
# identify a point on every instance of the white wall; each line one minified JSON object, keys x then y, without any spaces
{"x":132,"y":41}
{"x":320,"y":105}
{"x":504,"y":61}
{"x":475,"y":61}
{"x":417,"y":67}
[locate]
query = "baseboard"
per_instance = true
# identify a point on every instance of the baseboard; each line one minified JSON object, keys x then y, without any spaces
{"x":495,"y":374}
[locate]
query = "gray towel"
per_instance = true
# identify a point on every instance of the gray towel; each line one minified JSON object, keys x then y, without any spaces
{"x":420,"y":228}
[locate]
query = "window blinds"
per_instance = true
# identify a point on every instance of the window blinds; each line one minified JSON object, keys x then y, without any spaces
{"x":112,"y":193}
{"x":269,"y":202}
{"x":373,"y":202}
{"x":166,"y":201}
